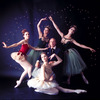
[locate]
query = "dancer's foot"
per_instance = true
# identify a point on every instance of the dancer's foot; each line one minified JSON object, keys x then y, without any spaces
{"x":37,"y":90}
{"x":18,"y":83}
{"x":78,"y":91}
{"x":85,"y":80}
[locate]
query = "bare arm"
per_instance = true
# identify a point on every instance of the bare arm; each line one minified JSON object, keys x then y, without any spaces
{"x":38,"y":49}
{"x":56,"y":27}
{"x":59,"y":60}
{"x":38,"y":27}
{"x":83,"y":46}
{"x":13,"y":45}
{"x":42,"y":72}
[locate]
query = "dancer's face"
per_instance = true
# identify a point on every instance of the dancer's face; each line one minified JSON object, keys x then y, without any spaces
{"x":44,"y":57}
{"x":46,"y":31}
{"x":26,"y":35}
{"x":71,"y":30}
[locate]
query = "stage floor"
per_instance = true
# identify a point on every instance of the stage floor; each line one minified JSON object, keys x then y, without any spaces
{"x":8,"y":92}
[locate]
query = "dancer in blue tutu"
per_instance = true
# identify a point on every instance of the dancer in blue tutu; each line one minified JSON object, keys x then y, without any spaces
{"x":42,"y":42}
{"x":73,"y":63}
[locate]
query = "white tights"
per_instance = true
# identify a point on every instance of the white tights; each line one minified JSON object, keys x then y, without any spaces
{"x":27,"y":70}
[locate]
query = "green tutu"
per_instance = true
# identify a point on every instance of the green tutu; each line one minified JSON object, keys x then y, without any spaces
{"x":73,"y":62}
{"x":33,"y":56}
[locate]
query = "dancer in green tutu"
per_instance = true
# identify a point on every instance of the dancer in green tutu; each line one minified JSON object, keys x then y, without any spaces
{"x":73,"y":63}
{"x":42,"y":42}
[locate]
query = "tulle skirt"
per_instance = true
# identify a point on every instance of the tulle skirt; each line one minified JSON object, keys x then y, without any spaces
{"x":39,"y":84}
{"x":18,"y":56}
{"x":21,"y":59}
{"x":32,"y":58}
{"x":73,"y":62}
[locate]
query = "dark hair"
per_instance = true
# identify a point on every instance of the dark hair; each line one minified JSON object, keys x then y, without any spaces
{"x":43,"y":53}
{"x":23,"y":31}
{"x":74,"y":27}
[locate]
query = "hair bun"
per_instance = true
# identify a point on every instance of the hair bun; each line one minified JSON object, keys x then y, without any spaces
{"x":48,"y":27}
{"x":23,"y":31}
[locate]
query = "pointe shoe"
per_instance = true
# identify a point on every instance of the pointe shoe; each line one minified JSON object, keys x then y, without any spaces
{"x":78,"y":91}
{"x":85,"y":80}
{"x":36,"y":90}
{"x":18,"y":83}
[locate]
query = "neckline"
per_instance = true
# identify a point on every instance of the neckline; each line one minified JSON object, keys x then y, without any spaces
{"x":66,"y":38}
{"x":25,"y":44}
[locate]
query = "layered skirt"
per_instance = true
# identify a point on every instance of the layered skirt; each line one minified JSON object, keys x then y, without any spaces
{"x":40,"y":84}
{"x":18,"y":56}
{"x":33,"y":57}
{"x":73,"y":62}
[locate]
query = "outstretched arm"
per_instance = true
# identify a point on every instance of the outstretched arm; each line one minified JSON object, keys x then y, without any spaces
{"x":56,"y":27}
{"x":13,"y":45}
{"x":38,"y":27}
{"x":59,"y":60}
{"x":38,"y":49}
{"x":83,"y":46}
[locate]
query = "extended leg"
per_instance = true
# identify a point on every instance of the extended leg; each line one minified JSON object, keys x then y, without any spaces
{"x":65,"y":90}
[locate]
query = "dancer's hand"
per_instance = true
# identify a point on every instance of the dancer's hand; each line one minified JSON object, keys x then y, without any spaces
{"x":50,"y":18}
{"x":52,"y":56}
{"x":37,"y":64}
{"x":4,"y":45}
{"x":92,"y":50}
{"x":51,"y":62}
{"x":44,"y":19}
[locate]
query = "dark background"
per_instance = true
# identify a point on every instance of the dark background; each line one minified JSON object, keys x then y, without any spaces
{"x":16,"y":15}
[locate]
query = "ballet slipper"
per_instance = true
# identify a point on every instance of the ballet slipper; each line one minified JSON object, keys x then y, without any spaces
{"x":85,"y":80}
{"x":18,"y":83}
{"x":78,"y":91}
{"x":37,"y":90}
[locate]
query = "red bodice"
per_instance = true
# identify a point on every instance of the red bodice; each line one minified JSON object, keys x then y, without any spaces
{"x":24,"y":49}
